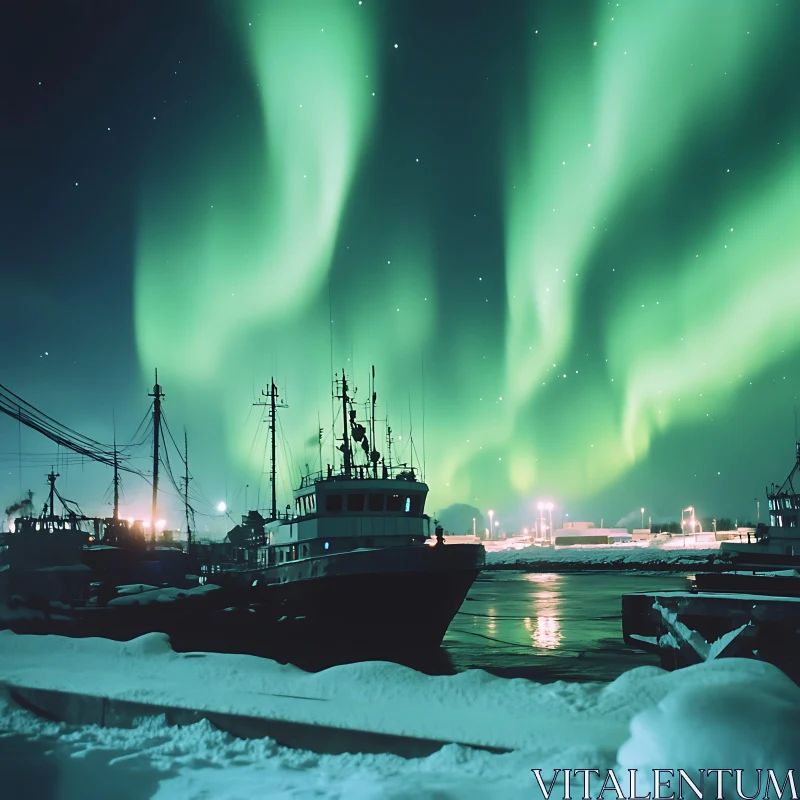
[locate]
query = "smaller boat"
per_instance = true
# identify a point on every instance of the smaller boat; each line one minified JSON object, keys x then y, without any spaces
{"x":776,"y":544}
{"x":752,"y":611}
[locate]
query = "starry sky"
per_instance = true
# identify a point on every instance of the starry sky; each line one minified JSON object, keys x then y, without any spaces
{"x":565,"y":234}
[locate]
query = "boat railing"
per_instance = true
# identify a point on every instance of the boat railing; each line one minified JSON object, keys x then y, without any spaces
{"x":361,"y":472}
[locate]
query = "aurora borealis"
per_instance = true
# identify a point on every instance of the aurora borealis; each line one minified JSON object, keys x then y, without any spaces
{"x":566,"y":235}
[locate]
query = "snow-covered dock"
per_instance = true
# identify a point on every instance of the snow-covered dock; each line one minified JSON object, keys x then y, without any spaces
{"x":725,"y":712}
{"x":688,"y":627}
{"x":372,"y":706}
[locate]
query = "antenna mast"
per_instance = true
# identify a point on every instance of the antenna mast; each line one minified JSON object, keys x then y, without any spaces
{"x":422,"y":365}
{"x":186,"y":491}
{"x":156,"y":394}
{"x":410,"y":433}
{"x":320,"y":434}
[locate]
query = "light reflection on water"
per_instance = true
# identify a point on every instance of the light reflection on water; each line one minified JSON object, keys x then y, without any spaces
{"x":541,"y":577}
{"x":547,"y":634}
{"x":546,"y":603}
{"x":555,"y":625}
{"x":542,"y":623}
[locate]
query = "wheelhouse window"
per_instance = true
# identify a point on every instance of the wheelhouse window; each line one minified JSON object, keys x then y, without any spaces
{"x":395,"y":502}
{"x":376,"y":502}
{"x":355,"y":502}
{"x":414,"y":503}
{"x":333,"y":502}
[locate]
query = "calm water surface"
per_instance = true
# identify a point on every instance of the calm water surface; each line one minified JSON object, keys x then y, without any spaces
{"x":550,"y":626}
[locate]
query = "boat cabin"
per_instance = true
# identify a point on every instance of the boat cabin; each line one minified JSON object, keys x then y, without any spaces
{"x":339,"y":513}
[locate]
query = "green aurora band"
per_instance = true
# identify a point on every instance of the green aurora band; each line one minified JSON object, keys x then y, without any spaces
{"x":606,"y":117}
{"x":236,"y":254}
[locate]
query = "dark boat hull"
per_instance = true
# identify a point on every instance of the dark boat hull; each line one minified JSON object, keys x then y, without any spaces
{"x":316,"y":612}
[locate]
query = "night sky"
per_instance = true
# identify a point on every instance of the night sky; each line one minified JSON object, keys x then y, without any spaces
{"x":567,"y":235}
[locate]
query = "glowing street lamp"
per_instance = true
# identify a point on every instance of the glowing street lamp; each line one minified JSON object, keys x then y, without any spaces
{"x":642,"y":510}
{"x":221,"y":507}
{"x":491,"y":523}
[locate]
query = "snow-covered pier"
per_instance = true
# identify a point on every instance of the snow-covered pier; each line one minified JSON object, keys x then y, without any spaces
{"x":488,"y":732}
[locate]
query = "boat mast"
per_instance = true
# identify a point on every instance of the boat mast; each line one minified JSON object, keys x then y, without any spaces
{"x":156,"y":394}
{"x":273,"y":405}
{"x":186,"y":491}
{"x":374,"y":453}
{"x":346,"y":452}
{"x":272,"y":465}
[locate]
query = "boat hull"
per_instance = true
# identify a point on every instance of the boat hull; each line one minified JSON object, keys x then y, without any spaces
{"x":362,"y":604}
{"x":382,"y":604}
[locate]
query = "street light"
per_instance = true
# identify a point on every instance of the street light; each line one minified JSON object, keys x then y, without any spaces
{"x":491,"y":523}
{"x":550,"y":513}
{"x":642,"y":510}
{"x":221,"y":507}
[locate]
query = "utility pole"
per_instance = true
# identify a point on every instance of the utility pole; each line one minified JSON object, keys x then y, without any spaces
{"x":51,"y":479}
{"x":116,"y":480}
{"x":186,"y":492}
{"x":156,"y":394}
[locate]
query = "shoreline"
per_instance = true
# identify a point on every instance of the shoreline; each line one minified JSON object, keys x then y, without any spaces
{"x":608,"y":559}
{"x":609,"y":566}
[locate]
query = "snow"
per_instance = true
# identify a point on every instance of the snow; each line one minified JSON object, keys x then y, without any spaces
{"x":143,"y":595}
{"x":726,"y":712}
{"x":743,"y":723}
{"x":134,"y":588}
{"x":753,"y":598}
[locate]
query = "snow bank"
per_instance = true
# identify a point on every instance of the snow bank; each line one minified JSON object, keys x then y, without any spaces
{"x":745,"y":721}
{"x":600,"y":555}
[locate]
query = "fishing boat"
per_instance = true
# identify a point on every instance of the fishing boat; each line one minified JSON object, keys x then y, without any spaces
{"x":355,"y":566}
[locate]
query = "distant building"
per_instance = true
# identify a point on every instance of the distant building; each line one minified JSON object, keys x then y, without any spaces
{"x":570,"y":526}
{"x":565,"y":537}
